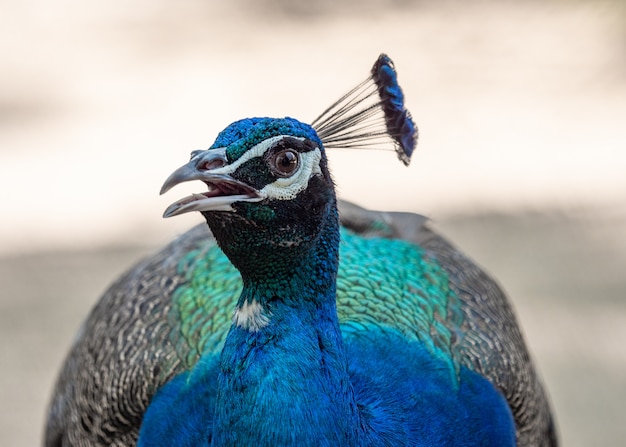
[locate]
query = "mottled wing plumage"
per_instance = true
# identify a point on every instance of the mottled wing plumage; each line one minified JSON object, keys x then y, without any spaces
{"x":126,"y":349}
{"x":158,"y":320}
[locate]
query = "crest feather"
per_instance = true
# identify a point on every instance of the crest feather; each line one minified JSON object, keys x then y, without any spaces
{"x":371,"y":115}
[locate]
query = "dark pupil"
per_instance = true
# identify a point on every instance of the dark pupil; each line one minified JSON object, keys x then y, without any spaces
{"x":286,"y":162}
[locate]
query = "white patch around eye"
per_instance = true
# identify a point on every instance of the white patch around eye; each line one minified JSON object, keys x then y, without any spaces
{"x":283,"y":188}
{"x":255,"y":151}
{"x":250,"y":316}
{"x":289,"y":187}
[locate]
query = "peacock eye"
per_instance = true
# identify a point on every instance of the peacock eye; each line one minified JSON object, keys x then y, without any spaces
{"x":285,"y":162}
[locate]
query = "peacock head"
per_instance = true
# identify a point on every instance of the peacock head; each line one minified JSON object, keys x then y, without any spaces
{"x":269,"y":188}
{"x":270,"y":193}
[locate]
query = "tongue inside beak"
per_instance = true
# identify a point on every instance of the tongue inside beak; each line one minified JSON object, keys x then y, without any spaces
{"x":220,"y":196}
{"x":223,"y":190}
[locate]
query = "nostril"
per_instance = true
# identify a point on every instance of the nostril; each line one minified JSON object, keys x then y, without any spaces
{"x":209,"y":160}
{"x":209,"y":165}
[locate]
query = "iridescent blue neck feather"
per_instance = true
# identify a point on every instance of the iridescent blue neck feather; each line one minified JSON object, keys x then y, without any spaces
{"x":280,"y":380}
{"x":282,"y":367}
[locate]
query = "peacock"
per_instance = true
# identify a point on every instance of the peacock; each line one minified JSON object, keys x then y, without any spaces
{"x":296,"y":319}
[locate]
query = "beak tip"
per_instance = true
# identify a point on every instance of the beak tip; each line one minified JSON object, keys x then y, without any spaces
{"x":169,"y":212}
{"x":169,"y":184}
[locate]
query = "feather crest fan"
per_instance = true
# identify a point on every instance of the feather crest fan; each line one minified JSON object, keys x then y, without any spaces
{"x":371,"y":115}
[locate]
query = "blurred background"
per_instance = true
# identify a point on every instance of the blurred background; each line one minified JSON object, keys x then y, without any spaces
{"x":522,"y":158}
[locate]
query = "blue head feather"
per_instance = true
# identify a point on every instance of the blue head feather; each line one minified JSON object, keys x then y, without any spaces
{"x":239,"y":136}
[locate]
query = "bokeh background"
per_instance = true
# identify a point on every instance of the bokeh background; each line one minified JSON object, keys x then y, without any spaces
{"x":522,"y":158}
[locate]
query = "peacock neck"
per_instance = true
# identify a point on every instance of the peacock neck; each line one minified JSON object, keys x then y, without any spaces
{"x":283,"y":375}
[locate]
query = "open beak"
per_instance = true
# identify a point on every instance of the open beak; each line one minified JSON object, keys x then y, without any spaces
{"x":207,"y":166}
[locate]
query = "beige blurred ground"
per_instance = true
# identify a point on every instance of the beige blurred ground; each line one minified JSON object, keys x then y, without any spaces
{"x":521,"y":107}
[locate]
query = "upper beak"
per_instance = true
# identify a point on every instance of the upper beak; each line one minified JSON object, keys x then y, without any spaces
{"x":207,"y":165}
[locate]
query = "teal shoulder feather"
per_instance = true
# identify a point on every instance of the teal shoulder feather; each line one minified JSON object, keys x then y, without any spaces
{"x":381,"y":281}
